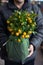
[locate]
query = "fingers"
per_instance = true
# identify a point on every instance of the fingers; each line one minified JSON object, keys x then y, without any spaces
{"x":31,"y":50}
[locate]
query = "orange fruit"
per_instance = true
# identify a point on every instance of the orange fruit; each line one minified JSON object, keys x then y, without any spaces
{"x":30,"y":21}
{"x":20,"y":31}
{"x":27,"y":36}
{"x":8,"y":22}
{"x":23,"y":36}
{"x":29,"y":18}
{"x":29,"y":32}
{"x":17,"y":34}
{"x":19,"y":40}
{"x":24,"y":33}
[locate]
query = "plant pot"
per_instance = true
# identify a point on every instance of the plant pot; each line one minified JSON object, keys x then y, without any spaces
{"x":17,"y":51}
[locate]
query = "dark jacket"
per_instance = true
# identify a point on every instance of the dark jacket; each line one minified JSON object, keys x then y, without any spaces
{"x":6,"y":11}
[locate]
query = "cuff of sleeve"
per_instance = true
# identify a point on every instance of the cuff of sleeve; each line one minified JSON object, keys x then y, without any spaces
{"x":5,"y":43}
{"x":36,"y":42}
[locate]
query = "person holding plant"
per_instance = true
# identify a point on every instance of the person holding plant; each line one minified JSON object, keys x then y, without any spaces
{"x":35,"y":39}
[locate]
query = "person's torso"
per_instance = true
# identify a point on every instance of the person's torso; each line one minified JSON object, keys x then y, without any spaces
{"x":8,"y":9}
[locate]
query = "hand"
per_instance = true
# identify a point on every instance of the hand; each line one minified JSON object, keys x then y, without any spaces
{"x":31,"y":50}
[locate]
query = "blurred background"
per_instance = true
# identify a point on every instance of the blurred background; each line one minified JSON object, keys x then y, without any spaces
{"x":39,"y":58}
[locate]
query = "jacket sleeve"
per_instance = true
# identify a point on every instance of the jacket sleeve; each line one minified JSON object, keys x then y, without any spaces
{"x":3,"y":36}
{"x":36,"y":39}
